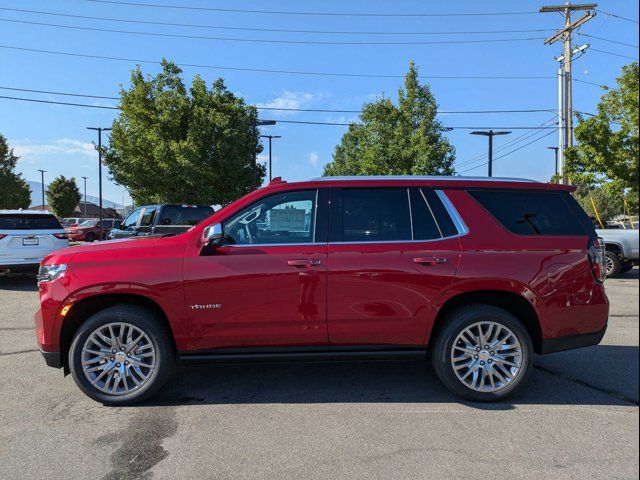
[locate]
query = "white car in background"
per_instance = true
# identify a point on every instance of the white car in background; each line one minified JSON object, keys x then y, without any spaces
{"x":26,"y":237}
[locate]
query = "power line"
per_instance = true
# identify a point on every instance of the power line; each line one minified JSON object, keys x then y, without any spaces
{"x":607,"y":40}
{"x":617,"y":16}
{"x":271,"y":30}
{"x":285,"y":72}
{"x":303,"y":122}
{"x":614,"y":54}
{"x":320,"y":14}
{"x":256,"y":40}
{"x":284,"y":109}
{"x":511,"y":152}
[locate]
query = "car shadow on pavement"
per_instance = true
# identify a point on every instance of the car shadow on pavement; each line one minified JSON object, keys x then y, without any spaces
{"x":633,"y":274}
{"x":19,"y":283}
{"x":600,"y":375}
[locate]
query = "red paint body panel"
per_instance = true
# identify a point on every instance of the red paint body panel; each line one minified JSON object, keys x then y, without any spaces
{"x":354,"y":294}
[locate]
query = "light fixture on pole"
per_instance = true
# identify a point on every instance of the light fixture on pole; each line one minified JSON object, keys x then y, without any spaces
{"x":255,"y":124}
{"x":42,"y":172}
{"x":490,"y":134}
{"x":99,"y":130}
{"x":270,"y":137}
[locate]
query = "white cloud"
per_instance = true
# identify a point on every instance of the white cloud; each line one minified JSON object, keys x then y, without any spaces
{"x":288,"y":100}
{"x":61,"y":146}
{"x":313,"y":159}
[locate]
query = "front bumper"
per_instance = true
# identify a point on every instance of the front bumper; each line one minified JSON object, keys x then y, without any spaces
{"x":52,"y":359}
{"x":570,"y":342}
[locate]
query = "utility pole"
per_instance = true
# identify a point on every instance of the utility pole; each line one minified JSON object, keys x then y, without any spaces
{"x":42,"y":172}
{"x":490,"y":134}
{"x":270,"y":137}
{"x":85,"y":196}
{"x":556,"y":150}
{"x":254,"y":168}
{"x":564,"y":35}
{"x":99,"y":130}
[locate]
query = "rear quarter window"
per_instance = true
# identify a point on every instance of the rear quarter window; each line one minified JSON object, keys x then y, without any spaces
{"x":28,"y":222}
{"x":529,"y":212}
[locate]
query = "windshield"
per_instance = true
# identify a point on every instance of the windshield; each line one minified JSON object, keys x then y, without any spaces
{"x":28,"y":222}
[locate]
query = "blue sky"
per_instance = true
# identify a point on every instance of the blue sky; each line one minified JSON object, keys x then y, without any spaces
{"x":53,"y":137}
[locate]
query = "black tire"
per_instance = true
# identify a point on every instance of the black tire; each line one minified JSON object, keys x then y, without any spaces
{"x":146,"y":321}
{"x":613,"y":264}
{"x":455,"y":323}
{"x":89,"y":237}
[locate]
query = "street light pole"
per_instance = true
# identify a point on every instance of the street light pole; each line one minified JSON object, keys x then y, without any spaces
{"x":85,"y":196}
{"x":99,"y":130}
{"x":490,"y":134}
{"x":42,"y":172}
{"x":270,"y":137}
{"x":254,"y":168}
{"x":556,"y":150}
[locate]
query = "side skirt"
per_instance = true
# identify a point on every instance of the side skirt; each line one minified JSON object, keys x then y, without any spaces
{"x":304,"y":354}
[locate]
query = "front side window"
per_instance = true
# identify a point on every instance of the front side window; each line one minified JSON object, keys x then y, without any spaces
{"x":148,"y":216}
{"x":374,"y":215}
{"x":281,"y":218}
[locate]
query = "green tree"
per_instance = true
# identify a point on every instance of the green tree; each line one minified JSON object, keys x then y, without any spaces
{"x":14,"y":191}
{"x":63,"y":196}
{"x":402,"y":139}
{"x":608,"y":142}
{"x":170,"y":144}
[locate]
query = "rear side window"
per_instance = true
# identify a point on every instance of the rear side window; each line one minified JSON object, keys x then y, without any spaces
{"x":183,"y":215}
{"x":445,"y":223}
{"x":531,"y":212}
{"x":28,"y":222}
{"x":374,"y":215}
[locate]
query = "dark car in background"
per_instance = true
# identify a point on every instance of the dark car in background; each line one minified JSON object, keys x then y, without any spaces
{"x":161,"y":220}
{"x":88,"y":229}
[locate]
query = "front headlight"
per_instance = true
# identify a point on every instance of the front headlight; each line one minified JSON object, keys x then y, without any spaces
{"x":48,"y":273}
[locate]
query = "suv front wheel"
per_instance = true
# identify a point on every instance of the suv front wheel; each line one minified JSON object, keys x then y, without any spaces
{"x":483,"y":353}
{"x":121,"y":355}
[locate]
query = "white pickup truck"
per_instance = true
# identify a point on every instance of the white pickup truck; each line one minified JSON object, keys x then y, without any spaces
{"x":622,"y":249}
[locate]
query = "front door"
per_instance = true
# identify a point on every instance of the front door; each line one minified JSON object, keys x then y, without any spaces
{"x":266,"y":285}
{"x":389,"y":261}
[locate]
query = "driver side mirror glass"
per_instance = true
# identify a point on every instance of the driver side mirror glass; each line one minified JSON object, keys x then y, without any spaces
{"x":212,"y":235}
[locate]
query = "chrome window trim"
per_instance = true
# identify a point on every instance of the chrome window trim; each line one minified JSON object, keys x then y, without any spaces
{"x":453,"y":213}
{"x":307,"y":244}
{"x":315,"y":217}
{"x":431,"y":211}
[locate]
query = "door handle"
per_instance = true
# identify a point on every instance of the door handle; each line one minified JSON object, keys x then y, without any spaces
{"x":303,"y":262}
{"x":429,"y":260}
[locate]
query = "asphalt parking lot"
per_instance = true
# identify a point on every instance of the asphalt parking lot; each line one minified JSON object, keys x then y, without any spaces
{"x":576,"y":418}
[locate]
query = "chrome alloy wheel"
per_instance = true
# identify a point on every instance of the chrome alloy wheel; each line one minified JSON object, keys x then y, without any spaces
{"x":486,"y":356}
{"x":118,"y":358}
{"x":608,"y":265}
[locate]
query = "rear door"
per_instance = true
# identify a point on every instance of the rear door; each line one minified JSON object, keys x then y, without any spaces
{"x":390,"y":258}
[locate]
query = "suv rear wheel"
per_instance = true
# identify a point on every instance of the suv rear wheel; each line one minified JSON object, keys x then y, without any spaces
{"x":483,"y":353}
{"x":121,"y":355}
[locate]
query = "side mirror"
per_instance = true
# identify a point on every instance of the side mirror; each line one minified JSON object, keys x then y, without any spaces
{"x":212,"y":235}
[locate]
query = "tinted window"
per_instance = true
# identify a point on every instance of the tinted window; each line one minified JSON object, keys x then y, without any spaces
{"x":148,"y":216}
{"x":131,"y":220}
{"x":445,"y":223}
{"x":531,"y":212}
{"x":282,"y":218}
{"x":424,"y":225}
{"x":374,"y":215}
{"x":183,"y":215}
{"x":28,"y":222}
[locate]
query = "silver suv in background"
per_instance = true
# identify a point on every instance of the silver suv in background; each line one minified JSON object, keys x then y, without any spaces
{"x":26,"y":237}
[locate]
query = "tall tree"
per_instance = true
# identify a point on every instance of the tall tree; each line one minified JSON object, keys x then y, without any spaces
{"x":63,"y":196}
{"x":171,"y":144}
{"x":608,"y":142}
{"x":14,"y":191}
{"x":402,"y":139}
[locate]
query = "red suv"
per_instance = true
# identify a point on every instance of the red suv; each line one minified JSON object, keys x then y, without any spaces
{"x":479,"y":274}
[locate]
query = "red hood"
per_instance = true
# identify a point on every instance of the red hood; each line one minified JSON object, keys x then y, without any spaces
{"x":65,"y":254}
